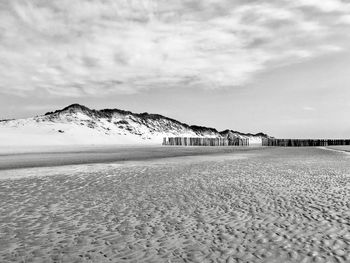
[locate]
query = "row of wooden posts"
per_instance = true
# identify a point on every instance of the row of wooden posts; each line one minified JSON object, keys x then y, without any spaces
{"x":302,"y":142}
{"x":201,"y":141}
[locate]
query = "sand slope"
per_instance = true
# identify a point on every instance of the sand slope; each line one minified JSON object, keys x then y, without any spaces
{"x":275,"y":205}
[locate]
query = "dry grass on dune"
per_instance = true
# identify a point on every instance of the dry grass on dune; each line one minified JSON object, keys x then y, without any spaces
{"x":277,"y":205}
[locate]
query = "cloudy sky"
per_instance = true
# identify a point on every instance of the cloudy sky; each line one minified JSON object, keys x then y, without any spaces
{"x":277,"y":66}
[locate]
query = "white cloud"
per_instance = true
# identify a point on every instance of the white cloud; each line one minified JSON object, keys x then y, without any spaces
{"x":308,"y":108}
{"x":345,"y":19}
{"x":96,"y":47}
{"x":325,"y":5}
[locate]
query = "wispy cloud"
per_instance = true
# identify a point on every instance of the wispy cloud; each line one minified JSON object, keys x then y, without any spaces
{"x":308,"y":108}
{"x":325,"y":5}
{"x":95,"y":47}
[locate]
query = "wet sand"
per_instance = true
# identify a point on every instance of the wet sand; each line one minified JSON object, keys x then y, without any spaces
{"x":271,"y":205}
{"x":58,"y":156}
{"x":344,"y":148}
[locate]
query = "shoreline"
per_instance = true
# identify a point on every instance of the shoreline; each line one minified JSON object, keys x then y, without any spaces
{"x":107,"y":154}
{"x":52,"y":156}
{"x":337,"y":149}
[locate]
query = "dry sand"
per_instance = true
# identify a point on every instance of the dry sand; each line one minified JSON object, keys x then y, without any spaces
{"x":271,"y":205}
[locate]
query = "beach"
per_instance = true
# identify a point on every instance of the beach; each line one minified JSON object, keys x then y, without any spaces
{"x":205,"y":205}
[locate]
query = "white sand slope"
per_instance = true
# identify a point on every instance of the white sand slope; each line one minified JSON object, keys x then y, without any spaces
{"x":28,"y":132}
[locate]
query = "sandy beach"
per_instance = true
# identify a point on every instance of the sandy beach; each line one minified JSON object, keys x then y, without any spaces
{"x":268,"y":205}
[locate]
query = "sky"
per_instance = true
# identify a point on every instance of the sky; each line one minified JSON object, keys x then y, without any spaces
{"x":276,"y":66}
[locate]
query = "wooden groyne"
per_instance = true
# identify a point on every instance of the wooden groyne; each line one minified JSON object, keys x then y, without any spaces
{"x":303,"y":142}
{"x":202,"y":141}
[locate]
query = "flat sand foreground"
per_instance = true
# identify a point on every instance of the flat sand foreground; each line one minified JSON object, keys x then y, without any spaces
{"x":271,"y":205}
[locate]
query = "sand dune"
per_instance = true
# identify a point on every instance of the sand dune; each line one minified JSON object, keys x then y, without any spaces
{"x":272,"y":205}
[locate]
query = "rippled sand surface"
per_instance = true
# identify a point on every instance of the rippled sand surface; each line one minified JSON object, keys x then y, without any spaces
{"x":272,"y":205}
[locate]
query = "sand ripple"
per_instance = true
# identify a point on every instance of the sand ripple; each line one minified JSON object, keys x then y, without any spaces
{"x":280,"y":205}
